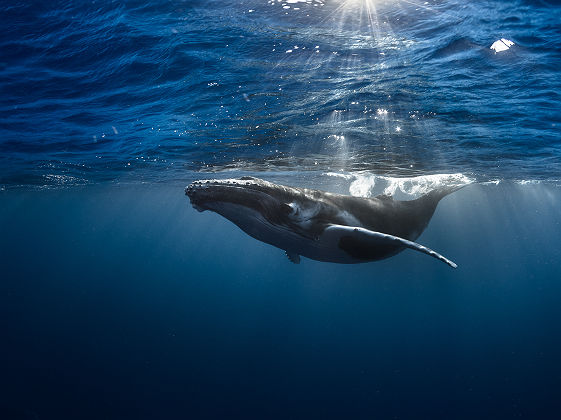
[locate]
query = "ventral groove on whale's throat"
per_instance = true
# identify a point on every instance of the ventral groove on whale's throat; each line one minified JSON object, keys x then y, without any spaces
{"x":320,"y":225}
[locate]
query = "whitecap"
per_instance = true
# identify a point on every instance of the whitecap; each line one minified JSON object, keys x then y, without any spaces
{"x":502,"y":44}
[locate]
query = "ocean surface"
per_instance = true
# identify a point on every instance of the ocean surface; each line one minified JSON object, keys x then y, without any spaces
{"x":119,"y":301}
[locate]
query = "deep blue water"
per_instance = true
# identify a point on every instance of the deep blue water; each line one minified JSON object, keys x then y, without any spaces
{"x":118,"y":300}
{"x":124,"y":302}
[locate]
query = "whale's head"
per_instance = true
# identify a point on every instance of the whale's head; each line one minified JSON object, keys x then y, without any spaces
{"x":242,"y":199}
{"x":248,"y":192}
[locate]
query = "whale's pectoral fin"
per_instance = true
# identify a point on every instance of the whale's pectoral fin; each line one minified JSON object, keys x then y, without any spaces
{"x":293,"y":257}
{"x":360,"y":241}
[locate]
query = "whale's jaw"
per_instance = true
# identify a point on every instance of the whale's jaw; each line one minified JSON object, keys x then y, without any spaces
{"x":253,"y":194}
{"x":205,"y":194}
{"x":256,"y":206}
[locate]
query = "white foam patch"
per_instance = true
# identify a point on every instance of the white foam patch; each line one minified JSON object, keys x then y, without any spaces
{"x":492,"y":182}
{"x":528,"y":182}
{"x":502,"y":44}
{"x":369,"y":185}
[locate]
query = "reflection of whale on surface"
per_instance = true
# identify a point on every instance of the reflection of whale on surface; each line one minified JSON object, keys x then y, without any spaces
{"x":320,"y":225}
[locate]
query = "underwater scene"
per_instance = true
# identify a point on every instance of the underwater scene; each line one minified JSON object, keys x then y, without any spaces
{"x":280,"y":209}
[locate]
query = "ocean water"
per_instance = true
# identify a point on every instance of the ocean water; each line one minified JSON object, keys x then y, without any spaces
{"x":118,"y":300}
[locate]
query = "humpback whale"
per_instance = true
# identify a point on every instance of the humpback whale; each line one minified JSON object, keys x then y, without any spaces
{"x":320,"y":225}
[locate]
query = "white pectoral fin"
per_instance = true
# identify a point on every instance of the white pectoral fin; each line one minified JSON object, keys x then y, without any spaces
{"x":372,"y":238}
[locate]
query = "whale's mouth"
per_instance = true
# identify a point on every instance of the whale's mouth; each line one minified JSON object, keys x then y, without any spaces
{"x":207,"y":194}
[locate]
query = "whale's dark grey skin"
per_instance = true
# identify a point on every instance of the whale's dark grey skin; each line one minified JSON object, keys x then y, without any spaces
{"x":320,"y":225}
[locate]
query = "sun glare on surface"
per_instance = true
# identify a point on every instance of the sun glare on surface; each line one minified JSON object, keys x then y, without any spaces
{"x":358,"y":44}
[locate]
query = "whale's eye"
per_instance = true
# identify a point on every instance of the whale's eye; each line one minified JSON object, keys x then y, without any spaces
{"x":290,"y":209}
{"x":287,"y":209}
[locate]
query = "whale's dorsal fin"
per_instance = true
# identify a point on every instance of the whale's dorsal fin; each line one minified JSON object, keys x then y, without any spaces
{"x":293,"y":257}
{"x":355,"y":240}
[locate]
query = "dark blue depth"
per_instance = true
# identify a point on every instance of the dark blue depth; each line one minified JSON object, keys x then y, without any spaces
{"x":125,"y":303}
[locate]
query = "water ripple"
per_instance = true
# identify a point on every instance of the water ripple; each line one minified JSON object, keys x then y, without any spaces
{"x":105,"y":90}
